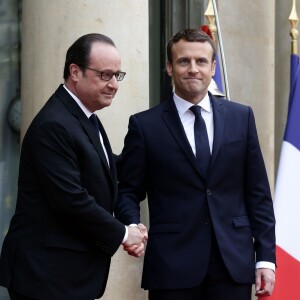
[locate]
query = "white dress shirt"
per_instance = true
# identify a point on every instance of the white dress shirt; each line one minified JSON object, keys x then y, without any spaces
{"x":188,"y":119}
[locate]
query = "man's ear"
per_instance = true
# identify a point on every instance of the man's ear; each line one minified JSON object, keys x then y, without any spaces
{"x":74,"y":72}
{"x":213,"y":67}
{"x":169,"y":69}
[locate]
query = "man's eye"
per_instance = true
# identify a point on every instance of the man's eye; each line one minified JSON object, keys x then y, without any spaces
{"x":107,"y":74}
{"x":183,"y":62}
{"x":202,"y":61}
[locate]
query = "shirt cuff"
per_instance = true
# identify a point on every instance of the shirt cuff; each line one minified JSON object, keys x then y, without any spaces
{"x":265,"y":265}
{"x":126,"y":233}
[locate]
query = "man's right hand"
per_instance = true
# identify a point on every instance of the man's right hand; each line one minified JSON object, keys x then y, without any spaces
{"x":143,"y":230}
{"x":135,"y":236}
{"x":135,"y":243}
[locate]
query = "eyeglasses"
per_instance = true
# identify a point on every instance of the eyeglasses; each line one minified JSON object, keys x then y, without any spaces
{"x":107,"y":75}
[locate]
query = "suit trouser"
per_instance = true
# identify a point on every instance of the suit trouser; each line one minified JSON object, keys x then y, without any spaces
{"x":217,"y":285}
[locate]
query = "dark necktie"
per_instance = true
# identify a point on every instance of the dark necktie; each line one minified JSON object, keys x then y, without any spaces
{"x":201,"y":139}
{"x":94,"y":121}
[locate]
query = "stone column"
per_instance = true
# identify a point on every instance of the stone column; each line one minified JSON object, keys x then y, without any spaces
{"x":248,"y":37}
{"x":48,"y":29}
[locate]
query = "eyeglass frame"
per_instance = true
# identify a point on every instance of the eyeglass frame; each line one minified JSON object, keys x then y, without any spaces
{"x":116,"y":74}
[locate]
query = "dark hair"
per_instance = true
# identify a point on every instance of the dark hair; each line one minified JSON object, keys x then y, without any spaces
{"x":190,"y":35}
{"x":79,"y":52}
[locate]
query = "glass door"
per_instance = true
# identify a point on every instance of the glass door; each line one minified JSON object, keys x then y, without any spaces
{"x":166,"y":17}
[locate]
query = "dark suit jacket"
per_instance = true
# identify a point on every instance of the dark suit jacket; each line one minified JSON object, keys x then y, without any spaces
{"x":63,"y":234}
{"x":185,"y":207}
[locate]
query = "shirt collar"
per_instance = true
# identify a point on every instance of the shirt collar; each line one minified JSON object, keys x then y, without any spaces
{"x":81,"y":105}
{"x":184,"y":105}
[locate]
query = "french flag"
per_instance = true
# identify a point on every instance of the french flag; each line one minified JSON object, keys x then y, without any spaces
{"x":287,"y":199}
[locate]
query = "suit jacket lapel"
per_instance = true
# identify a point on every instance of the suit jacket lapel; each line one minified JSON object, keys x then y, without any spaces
{"x":86,"y":124}
{"x":174,"y":124}
{"x":219,"y":120}
{"x":95,"y":139}
{"x":112,"y":166}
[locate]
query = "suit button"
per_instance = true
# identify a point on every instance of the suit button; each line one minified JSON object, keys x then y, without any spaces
{"x":208,"y":192}
{"x":207,"y":221}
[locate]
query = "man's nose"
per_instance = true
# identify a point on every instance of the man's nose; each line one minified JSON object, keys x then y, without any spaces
{"x":193,"y":67}
{"x":113,"y":82}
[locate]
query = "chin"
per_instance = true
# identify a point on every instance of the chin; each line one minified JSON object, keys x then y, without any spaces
{"x":106,"y":103}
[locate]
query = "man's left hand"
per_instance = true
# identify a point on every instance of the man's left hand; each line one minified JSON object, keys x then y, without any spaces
{"x":264,"y":282}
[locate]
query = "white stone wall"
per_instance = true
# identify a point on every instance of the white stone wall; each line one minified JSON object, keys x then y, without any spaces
{"x":248,"y":36}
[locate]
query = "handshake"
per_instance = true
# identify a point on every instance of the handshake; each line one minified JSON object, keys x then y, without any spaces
{"x":135,"y":243}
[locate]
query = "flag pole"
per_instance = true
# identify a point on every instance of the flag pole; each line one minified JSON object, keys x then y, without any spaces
{"x":216,"y":84}
{"x":293,"y":18}
{"x":213,"y":17}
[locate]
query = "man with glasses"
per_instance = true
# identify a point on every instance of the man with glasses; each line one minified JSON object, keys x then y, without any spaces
{"x":63,"y":234}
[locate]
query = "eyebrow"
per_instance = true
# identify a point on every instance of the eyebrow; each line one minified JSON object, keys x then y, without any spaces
{"x":197,"y":58}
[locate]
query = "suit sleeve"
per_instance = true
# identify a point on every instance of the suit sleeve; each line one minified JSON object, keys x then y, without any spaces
{"x":258,"y":198}
{"x":132,"y":170}
{"x":57,"y":165}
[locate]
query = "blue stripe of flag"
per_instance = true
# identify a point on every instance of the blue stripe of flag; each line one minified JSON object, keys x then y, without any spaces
{"x":218,"y":75}
{"x":292,"y":130}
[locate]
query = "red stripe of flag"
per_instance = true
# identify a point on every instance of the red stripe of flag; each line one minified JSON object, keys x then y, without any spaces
{"x":287,"y":277}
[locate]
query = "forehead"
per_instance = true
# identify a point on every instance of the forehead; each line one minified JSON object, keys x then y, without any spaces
{"x":104,"y":56}
{"x":196,"y":49}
